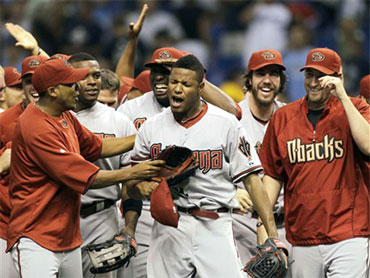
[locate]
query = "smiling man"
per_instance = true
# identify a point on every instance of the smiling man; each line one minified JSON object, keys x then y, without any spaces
{"x":312,"y":146}
{"x":207,"y":200}
{"x":50,"y":169}
{"x":265,"y":79}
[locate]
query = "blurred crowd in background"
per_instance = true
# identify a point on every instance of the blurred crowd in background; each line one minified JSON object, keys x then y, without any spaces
{"x":221,"y":33}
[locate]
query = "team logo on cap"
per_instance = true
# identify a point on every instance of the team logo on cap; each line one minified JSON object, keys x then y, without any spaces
{"x":164,"y":54}
{"x":268,"y":55}
{"x":317,"y":57}
{"x":34,"y":63}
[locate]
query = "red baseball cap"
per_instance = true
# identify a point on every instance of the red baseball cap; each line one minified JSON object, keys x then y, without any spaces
{"x":54,"y":72}
{"x":61,"y":56}
{"x":324,"y":60}
{"x":162,"y":207}
{"x":141,"y":82}
{"x":12,"y":77}
{"x":164,"y":54}
{"x":30,"y":64}
{"x":365,"y":86}
{"x":265,"y":57}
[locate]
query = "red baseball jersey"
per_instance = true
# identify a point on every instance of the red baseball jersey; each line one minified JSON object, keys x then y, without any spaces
{"x":326,"y":199}
{"x":8,"y":120}
{"x":48,"y":174}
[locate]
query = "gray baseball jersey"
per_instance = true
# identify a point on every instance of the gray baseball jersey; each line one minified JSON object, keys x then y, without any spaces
{"x":103,"y":225}
{"x":138,"y":110}
{"x":244,"y":226}
{"x":225,"y":156}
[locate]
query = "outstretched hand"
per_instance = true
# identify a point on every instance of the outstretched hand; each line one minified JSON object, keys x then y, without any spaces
{"x":135,"y":28}
{"x":24,"y":38}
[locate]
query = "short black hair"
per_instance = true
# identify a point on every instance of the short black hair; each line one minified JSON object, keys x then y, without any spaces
{"x":191,"y":62}
{"x":109,"y":80}
{"x":283,"y":80}
{"x":81,"y":56}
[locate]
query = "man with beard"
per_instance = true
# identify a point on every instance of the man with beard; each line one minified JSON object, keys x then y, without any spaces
{"x":312,"y":147}
{"x":265,"y":79}
{"x":99,"y":220}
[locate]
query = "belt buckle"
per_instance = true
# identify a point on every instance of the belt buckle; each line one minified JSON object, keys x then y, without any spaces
{"x":99,"y":206}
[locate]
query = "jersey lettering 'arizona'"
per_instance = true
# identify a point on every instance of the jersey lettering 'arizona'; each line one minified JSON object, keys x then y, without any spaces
{"x":328,"y":149}
{"x":214,"y":136}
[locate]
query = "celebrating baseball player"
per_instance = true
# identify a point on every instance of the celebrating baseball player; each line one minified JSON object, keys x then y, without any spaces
{"x":265,"y":79}
{"x":311,"y":147}
{"x":99,"y":221}
{"x":202,"y":245}
{"x":50,"y":169}
{"x":13,"y":90}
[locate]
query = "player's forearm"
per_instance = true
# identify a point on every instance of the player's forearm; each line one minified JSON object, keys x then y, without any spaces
{"x":116,"y":146}
{"x":261,"y":203}
{"x":360,"y":128}
{"x":216,"y":96}
{"x":39,"y":51}
{"x":125,"y":66}
{"x":131,"y":219}
{"x":106,"y":178}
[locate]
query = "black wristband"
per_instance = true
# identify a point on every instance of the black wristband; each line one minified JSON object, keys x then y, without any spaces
{"x":132,"y":204}
{"x":259,"y":224}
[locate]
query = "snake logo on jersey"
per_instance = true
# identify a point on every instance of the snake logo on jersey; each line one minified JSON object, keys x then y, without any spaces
{"x":208,"y":159}
{"x":245,"y":147}
{"x":139,"y":122}
{"x":327,"y":149}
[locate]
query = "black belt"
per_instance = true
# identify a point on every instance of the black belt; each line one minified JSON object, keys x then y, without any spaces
{"x":87,"y":210}
{"x":212,"y":214}
{"x":279,"y":219}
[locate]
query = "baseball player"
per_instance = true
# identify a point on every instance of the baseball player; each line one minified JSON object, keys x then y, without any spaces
{"x":265,"y":79}
{"x":8,"y":121}
{"x":13,"y":90}
{"x":98,"y":222}
{"x":142,"y":108}
{"x":49,"y":171}
{"x":201,"y":246}
{"x":310,"y":146}
{"x":139,"y":85}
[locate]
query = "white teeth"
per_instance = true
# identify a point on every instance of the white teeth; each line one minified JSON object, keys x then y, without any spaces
{"x":35,"y":95}
{"x":161,"y":88}
{"x":266,"y":90}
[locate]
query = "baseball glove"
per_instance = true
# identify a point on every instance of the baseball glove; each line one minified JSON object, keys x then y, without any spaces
{"x":271,"y":260}
{"x":112,"y":254}
{"x":180,"y":164}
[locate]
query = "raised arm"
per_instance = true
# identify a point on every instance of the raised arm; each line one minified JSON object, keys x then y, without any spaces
{"x":25,"y":39}
{"x":216,"y":96}
{"x":360,"y":128}
{"x":125,"y":66}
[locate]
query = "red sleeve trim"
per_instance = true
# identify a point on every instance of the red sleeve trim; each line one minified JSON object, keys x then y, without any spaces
{"x":246,"y":172}
{"x":238,"y":113}
{"x":91,"y":180}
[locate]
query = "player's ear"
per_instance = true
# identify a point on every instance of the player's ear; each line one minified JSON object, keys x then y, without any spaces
{"x":201,"y":86}
{"x":52,"y":92}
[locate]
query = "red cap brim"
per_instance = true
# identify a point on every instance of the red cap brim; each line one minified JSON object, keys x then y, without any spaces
{"x":319,"y":68}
